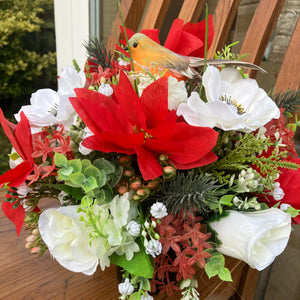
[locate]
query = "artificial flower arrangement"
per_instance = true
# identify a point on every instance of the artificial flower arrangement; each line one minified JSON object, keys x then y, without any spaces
{"x":156,"y":174}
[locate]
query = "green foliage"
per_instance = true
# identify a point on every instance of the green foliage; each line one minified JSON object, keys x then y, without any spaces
{"x":96,"y":179}
{"x":289,"y":100}
{"x":245,"y":154}
{"x":27,"y":48}
{"x":134,"y":266}
{"x":215,"y":265}
{"x":191,"y":191}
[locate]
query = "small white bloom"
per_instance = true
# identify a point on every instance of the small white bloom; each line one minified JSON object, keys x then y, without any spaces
{"x":83,"y":150}
{"x":254,"y":237}
{"x":105,"y":89}
{"x":23,"y":189}
{"x":119,"y":208}
{"x":126,"y":288}
{"x":154,"y":248}
{"x":63,"y":198}
{"x":176,"y":93}
{"x":158,"y":210}
{"x":133,"y":228}
{"x":278,"y":193}
{"x":233,"y":103}
{"x":284,"y":206}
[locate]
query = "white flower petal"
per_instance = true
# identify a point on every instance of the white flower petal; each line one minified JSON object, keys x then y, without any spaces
{"x":233,"y":103}
{"x":254,"y":237}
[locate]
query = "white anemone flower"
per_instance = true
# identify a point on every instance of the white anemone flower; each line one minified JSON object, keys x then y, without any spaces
{"x":233,"y":103}
{"x":69,"y":79}
{"x":48,"y":107}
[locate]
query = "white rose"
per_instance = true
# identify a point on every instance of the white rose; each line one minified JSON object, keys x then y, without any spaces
{"x":254,"y":237}
{"x":158,"y":210}
{"x":67,"y":239}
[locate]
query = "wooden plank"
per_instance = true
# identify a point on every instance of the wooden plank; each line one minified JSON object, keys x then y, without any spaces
{"x":155,"y":14}
{"x":30,"y":277}
{"x":248,"y":283}
{"x":223,"y":17}
{"x":289,"y":76}
{"x":191,"y":10}
{"x":132,"y":11}
{"x":260,"y":31}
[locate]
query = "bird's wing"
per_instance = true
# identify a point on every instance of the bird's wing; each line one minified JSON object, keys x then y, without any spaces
{"x":199,"y":62}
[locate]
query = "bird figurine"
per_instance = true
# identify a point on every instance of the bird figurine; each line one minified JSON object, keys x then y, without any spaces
{"x":149,"y":55}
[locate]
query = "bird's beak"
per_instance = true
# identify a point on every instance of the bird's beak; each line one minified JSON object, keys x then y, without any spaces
{"x":125,"y":48}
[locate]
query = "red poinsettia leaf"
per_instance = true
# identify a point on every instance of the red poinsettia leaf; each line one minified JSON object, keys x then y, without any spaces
{"x":24,"y":138}
{"x":174,"y":35}
{"x":6,"y":125}
{"x":109,"y":142}
{"x":197,"y":141}
{"x":130,"y":102}
{"x":188,"y":43}
{"x":148,"y":164}
{"x":16,"y":215}
{"x":207,"y":159}
{"x":155,"y":102}
{"x":17,"y":175}
{"x":165,"y":129}
{"x":90,"y":105}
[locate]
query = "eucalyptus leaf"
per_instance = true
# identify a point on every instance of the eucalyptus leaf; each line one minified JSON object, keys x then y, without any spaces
{"x":60,"y":160}
{"x":77,"y":178}
{"x":75,"y":164}
{"x":89,"y":184}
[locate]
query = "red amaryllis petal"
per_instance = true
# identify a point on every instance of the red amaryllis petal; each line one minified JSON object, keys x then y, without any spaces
{"x":16,"y":215}
{"x":152,"y":34}
{"x":188,"y":43}
{"x":148,"y":164}
{"x":155,"y":102}
{"x":174,"y":34}
{"x":198,"y":29}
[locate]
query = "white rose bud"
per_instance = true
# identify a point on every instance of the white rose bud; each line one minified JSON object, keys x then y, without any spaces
{"x":126,"y":288}
{"x":158,"y":210}
{"x":154,"y":248}
{"x":133,"y":228}
{"x":105,"y":89}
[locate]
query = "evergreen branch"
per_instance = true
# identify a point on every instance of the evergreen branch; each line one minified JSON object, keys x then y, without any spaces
{"x":97,"y":52}
{"x":289,"y":100}
{"x":190,"y":192}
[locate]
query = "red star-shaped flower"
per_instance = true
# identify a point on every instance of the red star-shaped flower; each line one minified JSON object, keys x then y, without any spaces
{"x":143,"y":126}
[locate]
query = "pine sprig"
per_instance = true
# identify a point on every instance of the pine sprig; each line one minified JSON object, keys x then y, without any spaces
{"x":289,"y":100}
{"x":190,"y":192}
{"x":97,"y":52}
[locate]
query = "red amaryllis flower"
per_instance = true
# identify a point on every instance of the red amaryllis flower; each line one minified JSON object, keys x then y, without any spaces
{"x":290,"y":183}
{"x":143,"y":126}
{"x":184,"y":39}
{"x":21,"y":139}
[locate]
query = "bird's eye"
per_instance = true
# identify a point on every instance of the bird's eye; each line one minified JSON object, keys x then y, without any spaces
{"x":134,"y":45}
